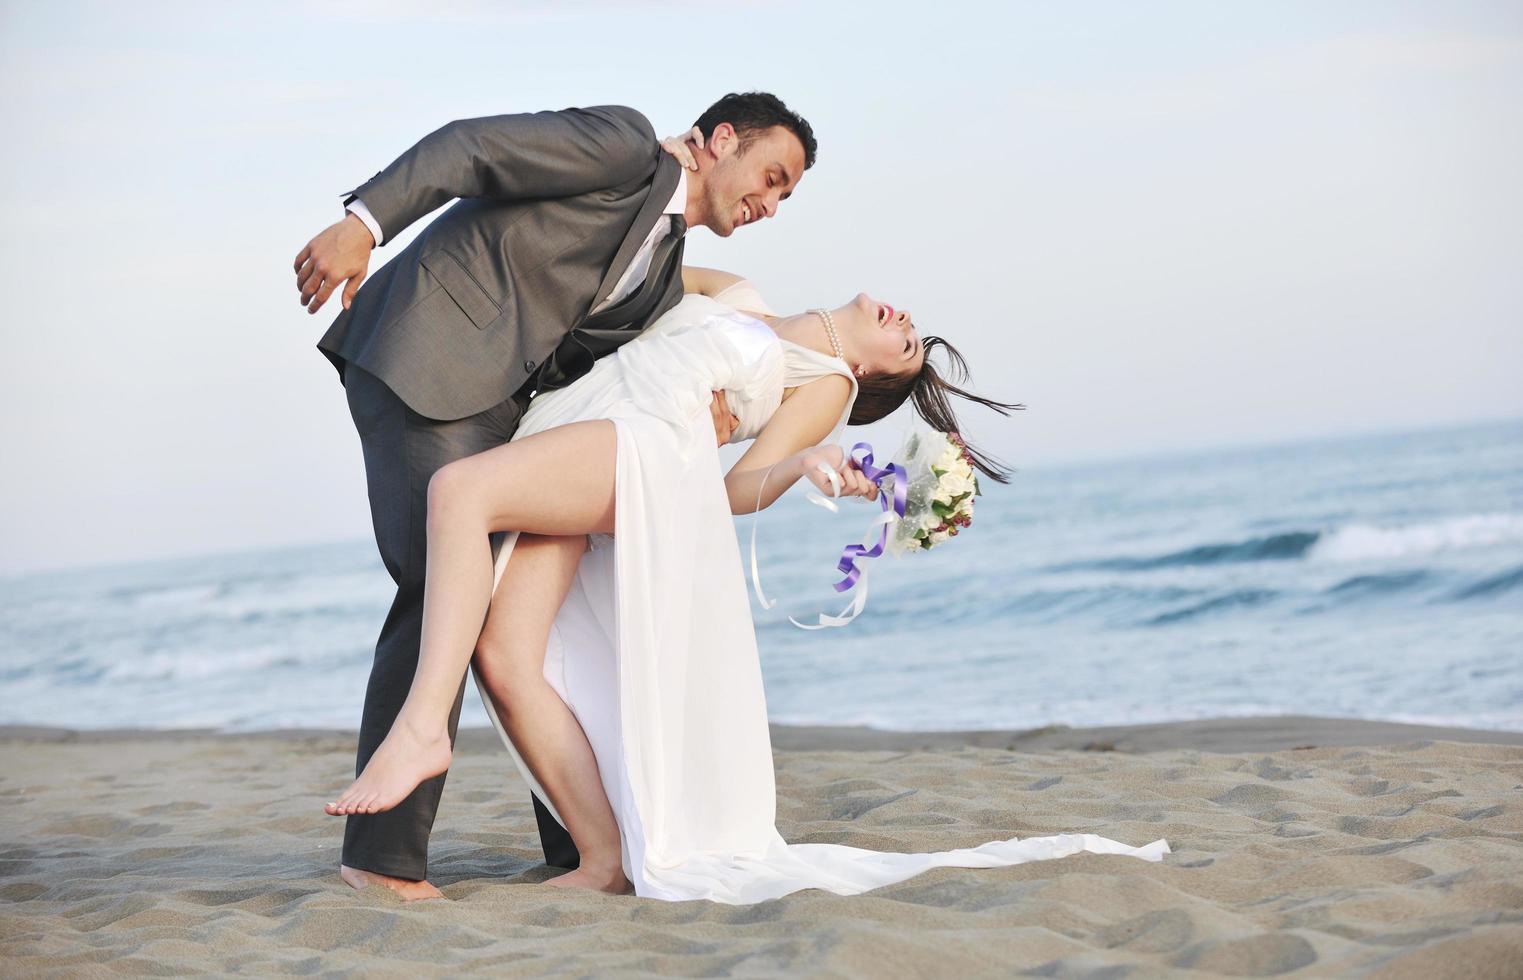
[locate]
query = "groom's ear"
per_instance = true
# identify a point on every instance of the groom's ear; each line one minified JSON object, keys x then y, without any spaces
{"x":724,"y":141}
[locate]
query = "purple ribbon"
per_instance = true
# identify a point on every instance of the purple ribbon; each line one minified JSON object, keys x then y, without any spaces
{"x":852,"y":552}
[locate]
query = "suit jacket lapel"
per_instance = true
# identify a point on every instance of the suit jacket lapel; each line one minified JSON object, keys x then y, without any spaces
{"x":662,"y":187}
{"x":665,"y":262}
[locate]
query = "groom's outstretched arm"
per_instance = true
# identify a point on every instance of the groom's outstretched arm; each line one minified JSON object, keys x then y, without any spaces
{"x":539,"y":154}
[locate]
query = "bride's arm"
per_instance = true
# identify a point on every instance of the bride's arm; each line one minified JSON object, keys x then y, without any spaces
{"x":789,"y":447}
{"x":709,"y":282}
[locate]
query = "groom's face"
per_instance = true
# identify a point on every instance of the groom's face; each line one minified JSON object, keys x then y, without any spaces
{"x":748,"y":184}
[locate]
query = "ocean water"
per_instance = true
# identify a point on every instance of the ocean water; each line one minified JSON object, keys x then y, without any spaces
{"x":1377,"y":577}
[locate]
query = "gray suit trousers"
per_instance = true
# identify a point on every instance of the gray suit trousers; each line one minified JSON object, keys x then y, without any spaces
{"x":402,"y":451}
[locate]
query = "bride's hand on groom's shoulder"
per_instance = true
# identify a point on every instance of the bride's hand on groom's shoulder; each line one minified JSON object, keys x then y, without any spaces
{"x":681,"y":147}
{"x":339,"y":254}
{"x":814,"y":464}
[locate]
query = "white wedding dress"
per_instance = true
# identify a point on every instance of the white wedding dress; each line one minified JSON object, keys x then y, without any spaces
{"x":654,"y":649}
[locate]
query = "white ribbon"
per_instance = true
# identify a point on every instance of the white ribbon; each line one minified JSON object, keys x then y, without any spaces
{"x":814,"y":498}
{"x":755,"y":568}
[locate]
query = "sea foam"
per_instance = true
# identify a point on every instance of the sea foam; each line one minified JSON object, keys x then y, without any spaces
{"x":1365,"y":542}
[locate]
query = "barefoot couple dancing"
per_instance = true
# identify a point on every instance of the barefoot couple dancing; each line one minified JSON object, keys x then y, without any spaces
{"x":540,"y":388}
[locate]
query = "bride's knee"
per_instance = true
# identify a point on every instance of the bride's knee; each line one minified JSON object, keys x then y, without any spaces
{"x":450,"y":490}
{"x":491,"y":654}
{"x":508,"y":678}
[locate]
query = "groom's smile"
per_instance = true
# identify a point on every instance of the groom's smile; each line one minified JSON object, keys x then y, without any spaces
{"x":753,"y":208}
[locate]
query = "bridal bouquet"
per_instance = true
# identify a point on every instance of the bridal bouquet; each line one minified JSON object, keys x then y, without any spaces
{"x":940,"y":489}
{"x":927,"y":498}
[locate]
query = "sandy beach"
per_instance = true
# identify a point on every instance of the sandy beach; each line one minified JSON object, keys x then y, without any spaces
{"x":1302,"y":847}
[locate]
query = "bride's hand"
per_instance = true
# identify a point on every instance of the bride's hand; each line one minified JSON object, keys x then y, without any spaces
{"x":678,"y":147}
{"x":854,"y":483}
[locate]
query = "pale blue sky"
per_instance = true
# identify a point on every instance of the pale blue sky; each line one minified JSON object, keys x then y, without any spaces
{"x":1162,"y":226}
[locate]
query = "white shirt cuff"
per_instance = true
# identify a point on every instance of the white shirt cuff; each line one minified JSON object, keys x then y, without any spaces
{"x":358,"y":209}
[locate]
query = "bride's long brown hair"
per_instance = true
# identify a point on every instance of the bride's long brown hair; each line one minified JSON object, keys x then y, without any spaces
{"x":878,"y":395}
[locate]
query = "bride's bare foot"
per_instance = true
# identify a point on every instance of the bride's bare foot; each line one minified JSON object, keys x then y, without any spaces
{"x":403,"y":760}
{"x":613,"y":882}
{"x":412,"y":891}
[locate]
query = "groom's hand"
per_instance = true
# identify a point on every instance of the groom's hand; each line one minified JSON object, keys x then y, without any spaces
{"x":725,"y":423}
{"x":341,"y":254}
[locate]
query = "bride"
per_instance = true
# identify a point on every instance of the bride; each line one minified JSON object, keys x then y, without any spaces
{"x":618,"y":659}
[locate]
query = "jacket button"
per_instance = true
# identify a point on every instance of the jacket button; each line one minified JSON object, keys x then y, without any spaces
{"x":528,"y":365}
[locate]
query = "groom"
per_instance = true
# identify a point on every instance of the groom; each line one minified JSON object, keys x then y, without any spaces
{"x":566,"y":243}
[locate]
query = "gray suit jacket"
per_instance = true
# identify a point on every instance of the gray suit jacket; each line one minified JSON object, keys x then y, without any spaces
{"x":496,"y":290}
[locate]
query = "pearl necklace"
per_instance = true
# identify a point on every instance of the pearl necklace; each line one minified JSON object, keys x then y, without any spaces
{"x":830,"y":331}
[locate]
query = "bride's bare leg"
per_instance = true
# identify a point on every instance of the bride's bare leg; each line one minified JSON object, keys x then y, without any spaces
{"x":558,"y":482}
{"x":510,"y":656}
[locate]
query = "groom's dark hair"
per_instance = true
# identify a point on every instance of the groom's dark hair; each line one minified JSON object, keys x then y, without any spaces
{"x":752,"y":114}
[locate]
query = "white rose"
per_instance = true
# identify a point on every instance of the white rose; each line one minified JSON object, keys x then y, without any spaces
{"x":952,"y":484}
{"x":937,"y":537}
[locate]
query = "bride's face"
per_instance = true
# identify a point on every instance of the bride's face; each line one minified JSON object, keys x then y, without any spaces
{"x":879,"y":338}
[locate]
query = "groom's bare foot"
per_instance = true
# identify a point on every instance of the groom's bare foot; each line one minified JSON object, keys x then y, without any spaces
{"x":613,"y":882}
{"x":412,"y":891}
{"x":401,"y":762}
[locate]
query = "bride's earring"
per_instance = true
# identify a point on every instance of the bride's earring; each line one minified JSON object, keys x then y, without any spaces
{"x":862,"y":371}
